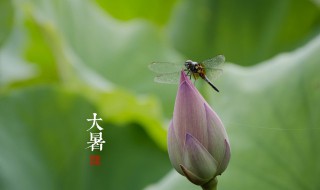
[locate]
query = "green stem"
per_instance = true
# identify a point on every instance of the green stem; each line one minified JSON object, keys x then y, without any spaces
{"x":211,"y":185}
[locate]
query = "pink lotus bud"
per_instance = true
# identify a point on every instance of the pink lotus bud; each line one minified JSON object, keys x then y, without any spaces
{"x":198,"y":144}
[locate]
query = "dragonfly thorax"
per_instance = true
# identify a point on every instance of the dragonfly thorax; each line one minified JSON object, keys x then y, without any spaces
{"x":193,"y":67}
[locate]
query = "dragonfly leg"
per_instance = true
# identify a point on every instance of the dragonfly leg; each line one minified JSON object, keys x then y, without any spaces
{"x":187,"y":71}
{"x":188,"y":74}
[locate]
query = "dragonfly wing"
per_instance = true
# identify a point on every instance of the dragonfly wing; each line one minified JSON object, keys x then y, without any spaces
{"x":165,"y":67}
{"x":169,"y":78}
{"x":214,"y":63}
{"x":213,"y":74}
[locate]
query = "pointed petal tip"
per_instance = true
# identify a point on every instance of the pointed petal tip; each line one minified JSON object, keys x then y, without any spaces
{"x":185,"y":82}
{"x":183,"y":76}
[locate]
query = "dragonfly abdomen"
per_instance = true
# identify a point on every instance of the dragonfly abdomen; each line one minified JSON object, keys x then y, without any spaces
{"x":204,"y":77}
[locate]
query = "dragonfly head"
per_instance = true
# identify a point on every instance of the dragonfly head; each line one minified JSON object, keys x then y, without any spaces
{"x":188,"y":63}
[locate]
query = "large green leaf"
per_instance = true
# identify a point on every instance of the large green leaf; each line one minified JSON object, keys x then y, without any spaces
{"x":43,"y":141}
{"x":246,"y":31}
{"x":271,"y":112}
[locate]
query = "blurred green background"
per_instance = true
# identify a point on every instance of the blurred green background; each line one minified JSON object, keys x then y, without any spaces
{"x":61,"y":61}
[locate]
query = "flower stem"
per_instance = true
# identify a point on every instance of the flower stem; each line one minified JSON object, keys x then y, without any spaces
{"x":211,"y":185}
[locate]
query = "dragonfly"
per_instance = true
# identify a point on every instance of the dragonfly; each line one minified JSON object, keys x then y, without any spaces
{"x":209,"y":70}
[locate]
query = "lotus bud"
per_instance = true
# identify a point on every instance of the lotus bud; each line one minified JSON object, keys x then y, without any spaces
{"x":198,"y":144}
